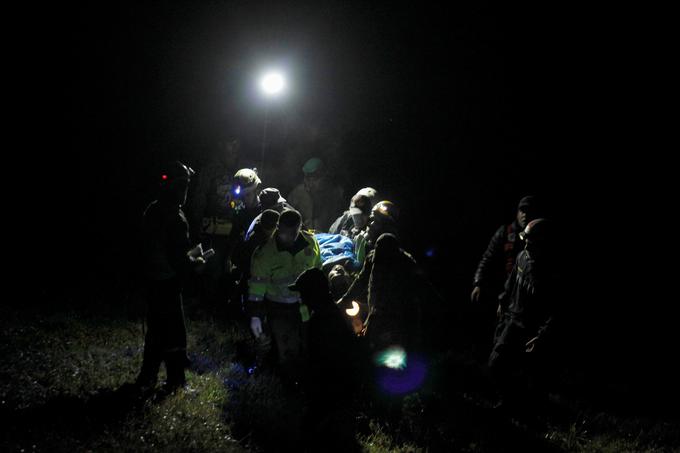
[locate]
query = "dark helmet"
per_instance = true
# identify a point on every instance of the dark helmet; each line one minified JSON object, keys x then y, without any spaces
{"x":174,"y":172}
{"x":387,"y":246}
{"x":385,"y":210}
{"x":537,"y":231}
{"x":270,"y":197}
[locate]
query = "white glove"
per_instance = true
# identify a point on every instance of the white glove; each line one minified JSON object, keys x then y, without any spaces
{"x":256,"y":326}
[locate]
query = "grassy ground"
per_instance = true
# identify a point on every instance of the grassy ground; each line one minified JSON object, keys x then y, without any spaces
{"x":64,"y":387}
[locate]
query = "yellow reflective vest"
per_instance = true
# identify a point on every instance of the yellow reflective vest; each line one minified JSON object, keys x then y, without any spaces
{"x":272,"y":270}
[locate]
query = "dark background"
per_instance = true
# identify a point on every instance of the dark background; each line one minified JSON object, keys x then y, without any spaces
{"x":453,"y":112}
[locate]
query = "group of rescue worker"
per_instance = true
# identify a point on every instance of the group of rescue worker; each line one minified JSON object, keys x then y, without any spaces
{"x":257,"y":252}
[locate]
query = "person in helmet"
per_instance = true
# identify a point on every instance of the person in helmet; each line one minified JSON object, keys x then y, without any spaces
{"x":526,"y":332}
{"x":317,"y":199}
{"x":239,"y":205}
{"x":211,"y":218}
{"x":244,"y":186}
{"x":166,"y":262}
{"x":383,"y":219}
{"x":355,"y":219}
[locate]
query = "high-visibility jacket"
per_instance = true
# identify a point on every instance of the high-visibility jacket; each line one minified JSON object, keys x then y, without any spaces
{"x":273,"y":269}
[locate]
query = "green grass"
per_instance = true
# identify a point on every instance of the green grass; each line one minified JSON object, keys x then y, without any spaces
{"x":61,"y":374}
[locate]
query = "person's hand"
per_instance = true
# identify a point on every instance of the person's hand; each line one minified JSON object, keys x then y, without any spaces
{"x":499,"y":311}
{"x":256,"y":326}
{"x":474,"y":297}
{"x":531,"y":344}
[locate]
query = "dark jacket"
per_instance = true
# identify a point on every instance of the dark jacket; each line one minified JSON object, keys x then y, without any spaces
{"x":165,"y":234}
{"x":342,"y":223}
{"x":498,"y":259}
{"x":393,"y":290}
{"x":533,"y":295}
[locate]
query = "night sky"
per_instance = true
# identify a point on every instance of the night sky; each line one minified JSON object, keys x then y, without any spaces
{"x":452,"y":111}
{"x":464,"y":107}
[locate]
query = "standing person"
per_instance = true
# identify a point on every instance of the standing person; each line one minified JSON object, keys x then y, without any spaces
{"x":525,"y":335}
{"x":211,"y":217}
{"x":317,"y":199}
{"x":272,"y":305}
{"x":166,"y":260}
{"x":494,"y":268}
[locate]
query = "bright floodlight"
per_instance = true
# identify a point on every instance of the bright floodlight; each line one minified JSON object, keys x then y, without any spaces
{"x":272,"y":83}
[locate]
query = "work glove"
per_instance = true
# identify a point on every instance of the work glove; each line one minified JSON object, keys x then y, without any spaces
{"x":474,"y":297}
{"x":256,"y":326}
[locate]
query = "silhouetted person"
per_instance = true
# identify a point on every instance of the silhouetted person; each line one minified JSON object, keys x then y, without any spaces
{"x":393,"y":288}
{"x":499,"y":258}
{"x":317,"y":199}
{"x":495,"y":267}
{"x":332,"y":360}
{"x":166,"y":262}
{"x":525,"y":335}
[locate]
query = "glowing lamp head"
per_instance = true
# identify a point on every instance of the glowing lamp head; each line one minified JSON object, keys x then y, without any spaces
{"x":272,"y":83}
{"x":354,"y":310}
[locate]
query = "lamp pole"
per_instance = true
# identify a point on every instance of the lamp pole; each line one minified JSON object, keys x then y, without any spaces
{"x":272,"y":85}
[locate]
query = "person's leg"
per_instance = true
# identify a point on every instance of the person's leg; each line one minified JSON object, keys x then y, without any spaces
{"x":152,"y":356}
{"x":175,"y":362}
{"x":505,"y":363}
{"x":151,"y":363}
{"x":286,"y":325}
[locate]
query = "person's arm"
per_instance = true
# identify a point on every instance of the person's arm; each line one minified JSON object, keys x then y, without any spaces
{"x":358,"y":290}
{"x":336,"y":227}
{"x":555,"y":304}
{"x":257,"y":284}
{"x":493,"y":252}
{"x":504,"y":297}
